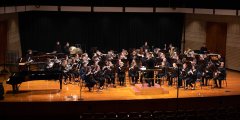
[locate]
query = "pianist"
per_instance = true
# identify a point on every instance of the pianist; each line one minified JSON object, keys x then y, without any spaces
{"x":29,"y":56}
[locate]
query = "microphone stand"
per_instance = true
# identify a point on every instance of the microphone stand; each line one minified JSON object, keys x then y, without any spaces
{"x":178,"y":86}
{"x":81,"y":84}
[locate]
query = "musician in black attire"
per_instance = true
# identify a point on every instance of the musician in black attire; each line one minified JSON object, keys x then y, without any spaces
{"x":90,"y":80}
{"x":98,"y":75}
{"x":121,"y":73}
{"x":133,"y":72}
{"x":203,"y":49}
{"x":109,"y":71}
{"x":219,"y":75}
{"x":83,"y":71}
{"x":161,"y":73}
{"x":167,"y":65}
{"x":66,"y":48}
{"x":191,"y":77}
{"x":173,"y":74}
{"x":133,"y":56}
{"x":208,"y":73}
{"x":66,"y":67}
{"x":183,"y":74}
{"x":145,"y":46}
{"x":75,"y":70}
{"x":58,"y":48}
{"x":220,"y":59}
{"x":150,"y":63}
{"x":202,"y":63}
{"x":29,"y":56}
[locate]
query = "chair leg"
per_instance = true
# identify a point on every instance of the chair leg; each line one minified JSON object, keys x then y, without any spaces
{"x":201,"y":83}
{"x":195,"y":84}
{"x":211,"y":82}
{"x":225,"y":82}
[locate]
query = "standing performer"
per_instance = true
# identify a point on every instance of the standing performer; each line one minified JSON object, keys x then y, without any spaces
{"x":150,"y":65}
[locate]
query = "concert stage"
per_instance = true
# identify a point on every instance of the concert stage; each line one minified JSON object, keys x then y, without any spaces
{"x":45,"y":96}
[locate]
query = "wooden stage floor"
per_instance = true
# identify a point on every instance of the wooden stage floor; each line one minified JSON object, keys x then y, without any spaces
{"x":48,"y":91}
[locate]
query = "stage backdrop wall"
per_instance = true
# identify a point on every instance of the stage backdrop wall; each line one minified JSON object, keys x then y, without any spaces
{"x":40,"y":30}
{"x":196,"y":35}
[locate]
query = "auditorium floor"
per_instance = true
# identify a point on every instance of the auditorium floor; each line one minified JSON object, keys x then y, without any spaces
{"x":48,"y":90}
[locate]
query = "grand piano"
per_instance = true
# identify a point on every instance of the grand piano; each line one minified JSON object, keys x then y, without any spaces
{"x":34,"y":71}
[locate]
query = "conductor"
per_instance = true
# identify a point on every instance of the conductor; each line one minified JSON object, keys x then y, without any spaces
{"x":150,"y":65}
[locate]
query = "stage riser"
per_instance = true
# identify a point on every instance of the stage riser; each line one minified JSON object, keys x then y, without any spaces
{"x":143,"y":89}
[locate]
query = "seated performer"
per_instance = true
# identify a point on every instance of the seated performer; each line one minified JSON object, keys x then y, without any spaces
{"x":58,"y":48}
{"x":173,"y":74}
{"x":161,"y":73}
{"x":133,"y":72}
{"x":183,"y":74}
{"x":166,"y":64}
{"x":219,"y":75}
{"x":66,"y":49}
{"x":75,"y":70}
{"x":83,"y":71}
{"x":121,"y":73}
{"x":109,"y":73}
{"x":90,"y":80}
{"x":208,"y":74}
{"x":66,"y":67}
{"x":145,"y":46}
{"x":191,"y":77}
{"x":98,"y":75}
{"x":50,"y":64}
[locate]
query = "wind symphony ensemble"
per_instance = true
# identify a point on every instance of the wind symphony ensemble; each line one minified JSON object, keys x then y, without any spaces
{"x":105,"y":69}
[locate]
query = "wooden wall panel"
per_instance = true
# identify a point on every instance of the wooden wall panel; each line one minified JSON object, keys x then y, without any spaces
{"x":3,"y":40}
{"x":216,"y":34}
